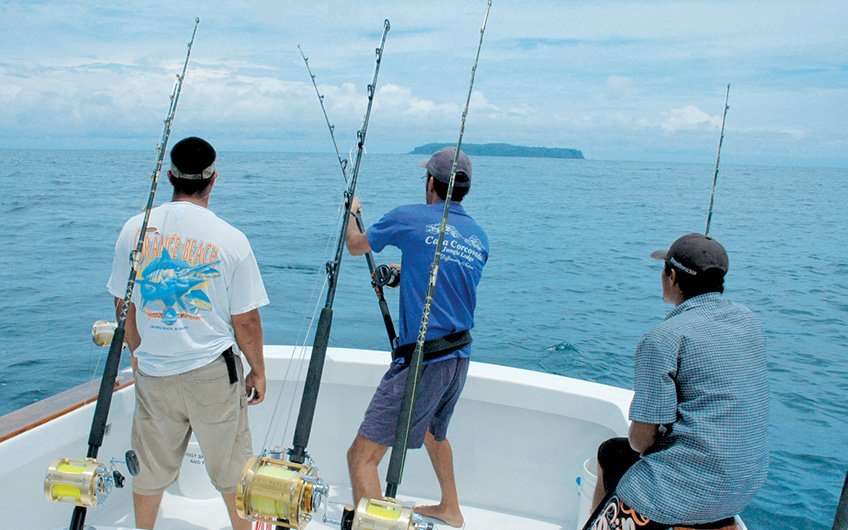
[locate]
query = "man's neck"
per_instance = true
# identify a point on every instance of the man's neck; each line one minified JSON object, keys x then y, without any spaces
{"x":194,"y":199}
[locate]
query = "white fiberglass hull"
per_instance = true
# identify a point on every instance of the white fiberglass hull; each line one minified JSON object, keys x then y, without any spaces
{"x":520,"y":440}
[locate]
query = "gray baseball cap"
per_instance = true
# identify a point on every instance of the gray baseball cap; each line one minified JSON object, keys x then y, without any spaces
{"x":695,"y":254}
{"x":440,"y":165}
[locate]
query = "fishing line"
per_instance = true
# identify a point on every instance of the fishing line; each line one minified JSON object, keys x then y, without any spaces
{"x":299,"y":352}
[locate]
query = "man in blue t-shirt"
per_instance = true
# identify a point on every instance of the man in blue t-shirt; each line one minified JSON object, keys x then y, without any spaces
{"x":414,"y":229}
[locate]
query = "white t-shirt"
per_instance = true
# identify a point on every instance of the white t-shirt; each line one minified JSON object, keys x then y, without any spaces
{"x":196,"y":270}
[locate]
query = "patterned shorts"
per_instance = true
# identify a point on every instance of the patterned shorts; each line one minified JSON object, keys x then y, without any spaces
{"x":615,"y":457}
{"x":615,"y":515}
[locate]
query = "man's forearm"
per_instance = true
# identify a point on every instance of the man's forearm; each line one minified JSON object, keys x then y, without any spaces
{"x":642,"y":436}
{"x":248,"y":332}
{"x":131,"y":335}
{"x":353,"y":236}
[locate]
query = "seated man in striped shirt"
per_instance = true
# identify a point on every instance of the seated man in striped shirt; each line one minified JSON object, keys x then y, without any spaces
{"x":696,"y":452}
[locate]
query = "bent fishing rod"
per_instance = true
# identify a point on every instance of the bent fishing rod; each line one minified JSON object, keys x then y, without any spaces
{"x":376,"y":282}
{"x":399,"y":450}
{"x":312,"y":385}
{"x":718,"y":159}
{"x":100,"y":477}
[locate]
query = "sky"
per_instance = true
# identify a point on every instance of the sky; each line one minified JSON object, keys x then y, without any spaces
{"x":620,"y":80}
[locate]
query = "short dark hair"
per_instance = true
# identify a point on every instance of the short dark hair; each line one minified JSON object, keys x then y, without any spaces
{"x":191,"y":156}
{"x":709,"y":281}
{"x":459,"y":192}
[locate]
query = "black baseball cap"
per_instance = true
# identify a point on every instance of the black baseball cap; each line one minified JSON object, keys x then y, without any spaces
{"x":193,"y":158}
{"x":695,"y":254}
{"x":440,"y":164}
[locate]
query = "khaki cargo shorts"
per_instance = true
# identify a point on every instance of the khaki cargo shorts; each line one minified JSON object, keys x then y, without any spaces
{"x":168,"y":409}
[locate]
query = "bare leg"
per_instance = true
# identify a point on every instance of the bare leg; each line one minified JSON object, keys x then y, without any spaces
{"x":363,"y":457}
{"x":600,"y":492}
{"x":237,"y":522}
{"x":146,"y":508}
{"x":448,"y":510}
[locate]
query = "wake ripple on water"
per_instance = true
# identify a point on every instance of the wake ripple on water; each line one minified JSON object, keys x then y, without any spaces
{"x":300,"y":269}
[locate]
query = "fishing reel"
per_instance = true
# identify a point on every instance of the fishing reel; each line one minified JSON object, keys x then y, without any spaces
{"x":86,"y":482}
{"x":386,"y":276}
{"x":102,"y":332}
{"x":280,"y":492}
{"x":383,"y":514}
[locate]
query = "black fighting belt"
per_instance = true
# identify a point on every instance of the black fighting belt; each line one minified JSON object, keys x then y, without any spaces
{"x":434,"y":348}
{"x":230,"y":359}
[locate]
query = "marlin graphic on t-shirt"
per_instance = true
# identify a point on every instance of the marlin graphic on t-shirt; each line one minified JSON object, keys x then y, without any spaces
{"x":176,"y":285}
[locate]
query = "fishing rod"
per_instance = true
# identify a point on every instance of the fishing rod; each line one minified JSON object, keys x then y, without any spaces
{"x":378,"y":281}
{"x":388,"y":513}
{"x":86,"y":482}
{"x":285,"y":492}
{"x":840,"y":520}
{"x":718,"y":159}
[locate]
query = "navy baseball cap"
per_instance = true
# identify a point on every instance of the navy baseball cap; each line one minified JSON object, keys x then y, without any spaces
{"x":439,"y":166}
{"x":695,"y":254}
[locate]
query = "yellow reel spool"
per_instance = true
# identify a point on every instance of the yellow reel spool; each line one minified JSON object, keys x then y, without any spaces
{"x":85,"y":483}
{"x":384,"y":514}
{"x":280,"y":492}
{"x":102,"y":332}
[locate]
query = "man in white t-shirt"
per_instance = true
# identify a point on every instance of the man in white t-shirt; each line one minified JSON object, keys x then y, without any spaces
{"x":194,"y":309}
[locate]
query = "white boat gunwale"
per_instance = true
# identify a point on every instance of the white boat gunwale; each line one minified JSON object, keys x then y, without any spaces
{"x":510,"y":422}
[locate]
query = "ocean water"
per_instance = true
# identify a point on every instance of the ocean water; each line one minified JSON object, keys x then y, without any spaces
{"x":569,"y":288}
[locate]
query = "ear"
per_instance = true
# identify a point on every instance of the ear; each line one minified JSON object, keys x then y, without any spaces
{"x":672,"y":277}
{"x":431,"y":188}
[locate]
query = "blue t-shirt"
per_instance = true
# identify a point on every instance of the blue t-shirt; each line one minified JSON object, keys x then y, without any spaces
{"x":414,"y":229}
{"x":702,"y":372}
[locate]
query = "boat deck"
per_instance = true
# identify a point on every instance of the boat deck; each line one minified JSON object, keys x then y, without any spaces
{"x":182,"y":513}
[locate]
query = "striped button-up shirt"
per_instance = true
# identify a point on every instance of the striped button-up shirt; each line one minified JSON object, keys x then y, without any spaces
{"x":702,"y":374}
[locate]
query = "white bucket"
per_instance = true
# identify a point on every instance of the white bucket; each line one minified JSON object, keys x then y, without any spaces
{"x":193,"y":481}
{"x":586,"y":481}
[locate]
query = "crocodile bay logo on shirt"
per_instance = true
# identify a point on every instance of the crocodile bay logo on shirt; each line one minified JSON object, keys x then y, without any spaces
{"x":457,"y":248}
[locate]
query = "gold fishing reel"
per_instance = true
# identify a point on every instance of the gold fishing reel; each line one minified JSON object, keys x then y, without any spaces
{"x":102,"y":332}
{"x":279,"y":492}
{"x":85,"y":482}
{"x":384,"y":514}
{"x":82,"y":482}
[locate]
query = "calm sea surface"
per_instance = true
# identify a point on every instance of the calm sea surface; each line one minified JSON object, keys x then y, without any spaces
{"x":569,"y":288}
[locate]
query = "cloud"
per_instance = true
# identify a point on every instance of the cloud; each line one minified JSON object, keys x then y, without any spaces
{"x":689,"y":118}
{"x":594,"y":75}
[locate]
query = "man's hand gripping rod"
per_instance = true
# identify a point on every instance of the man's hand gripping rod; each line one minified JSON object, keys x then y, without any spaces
{"x":387,"y":513}
{"x":86,"y":482}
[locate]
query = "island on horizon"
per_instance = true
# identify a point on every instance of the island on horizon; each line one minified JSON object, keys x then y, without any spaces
{"x":503,"y":150}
